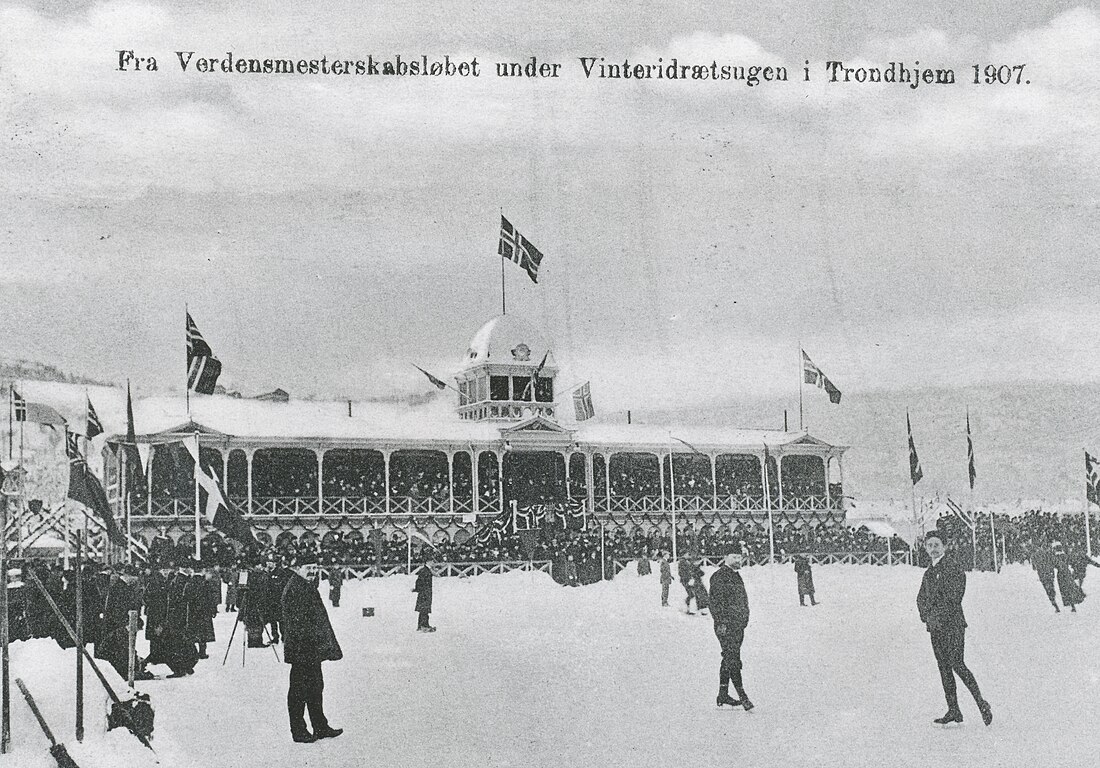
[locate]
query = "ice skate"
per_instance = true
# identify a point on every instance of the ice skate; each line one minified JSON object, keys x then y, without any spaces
{"x":952,"y":716}
{"x":987,"y":712}
{"x":724,"y":699}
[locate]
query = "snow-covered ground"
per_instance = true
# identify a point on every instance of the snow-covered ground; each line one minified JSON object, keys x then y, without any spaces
{"x":523,"y":672}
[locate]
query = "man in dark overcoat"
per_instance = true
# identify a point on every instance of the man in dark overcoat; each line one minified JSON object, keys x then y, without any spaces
{"x":423,"y":590}
{"x":308,"y":640}
{"x":729,"y":607}
{"x":335,"y":585}
{"x":804,"y":575}
{"x":939,"y":603}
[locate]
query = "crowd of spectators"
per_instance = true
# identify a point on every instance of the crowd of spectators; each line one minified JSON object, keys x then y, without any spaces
{"x":1017,"y":536}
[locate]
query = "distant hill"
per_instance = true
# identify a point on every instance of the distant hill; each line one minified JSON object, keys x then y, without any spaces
{"x":28,"y":370}
{"x":1028,"y":439}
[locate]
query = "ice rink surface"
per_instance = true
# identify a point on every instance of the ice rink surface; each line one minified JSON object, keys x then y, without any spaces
{"x":523,"y":672}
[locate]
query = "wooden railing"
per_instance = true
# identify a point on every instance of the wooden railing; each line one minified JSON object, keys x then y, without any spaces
{"x":443,"y":569}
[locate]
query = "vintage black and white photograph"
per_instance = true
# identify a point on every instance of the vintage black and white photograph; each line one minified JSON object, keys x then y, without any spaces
{"x":549,"y":384}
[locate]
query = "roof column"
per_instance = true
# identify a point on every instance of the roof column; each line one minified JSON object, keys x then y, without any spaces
{"x":451,"y":480}
{"x":320,"y":480}
{"x":248,"y":456}
{"x":714,"y":480}
{"x":386,"y":463}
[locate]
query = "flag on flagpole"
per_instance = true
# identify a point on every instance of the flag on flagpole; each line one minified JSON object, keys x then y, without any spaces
{"x":220,"y":513}
{"x":203,"y":368}
{"x":582,"y":402}
{"x":437,"y":383}
{"x":970,"y":452}
{"x":37,"y":413}
{"x":517,"y":248}
{"x":1092,"y":479}
{"x":94,"y":425}
{"x":533,"y":381}
{"x":814,"y":375}
{"x":85,"y":488}
{"x":915,"y":473}
{"x":134,"y":463}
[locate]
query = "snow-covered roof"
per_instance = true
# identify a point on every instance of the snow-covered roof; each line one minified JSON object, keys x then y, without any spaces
{"x":434,"y":422}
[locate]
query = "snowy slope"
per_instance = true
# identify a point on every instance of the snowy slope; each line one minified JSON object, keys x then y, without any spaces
{"x":523,"y":672}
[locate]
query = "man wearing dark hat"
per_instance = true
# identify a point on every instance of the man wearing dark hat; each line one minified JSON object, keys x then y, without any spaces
{"x":308,"y":640}
{"x":423,"y":590}
{"x":729,"y":607}
{"x":939,"y":602}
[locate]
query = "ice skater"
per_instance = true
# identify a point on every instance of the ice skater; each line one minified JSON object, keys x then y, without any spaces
{"x":1042,"y":560}
{"x":1068,"y":585}
{"x":666,"y":576}
{"x":729,"y":607}
{"x":805,"y":577}
{"x":423,"y":590}
{"x":308,"y":640}
{"x":939,"y":603}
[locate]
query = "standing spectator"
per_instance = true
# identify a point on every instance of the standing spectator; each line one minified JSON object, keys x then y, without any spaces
{"x":939,"y":602}
{"x":308,"y":641}
{"x":423,"y":590}
{"x":232,"y":588}
{"x":805,"y":576}
{"x":571,"y":572}
{"x":666,"y":576}
{"x":730,"y":609}
{"x":1042,"y":560}
{"x":698,"y":587}
{"x":335,"y":585}
{"x":1072,"y":594}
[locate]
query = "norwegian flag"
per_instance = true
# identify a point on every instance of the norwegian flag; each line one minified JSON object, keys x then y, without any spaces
{"x":94,"y":425}
{"x":814,"y":375}
{"x":530,"y":388}
{"x":582,"y":402}
{"x":915,"y":473}
{"x":203,"y":368}
{"x":517,"y":248}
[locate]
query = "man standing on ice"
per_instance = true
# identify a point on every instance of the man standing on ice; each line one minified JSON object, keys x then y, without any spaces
{"x":939,"y":602}
{"x":308,"y":640}
{"x":729,"y":607}
{"x":423,"y":590}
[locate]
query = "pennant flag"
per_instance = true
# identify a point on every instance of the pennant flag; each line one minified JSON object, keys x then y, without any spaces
{"x":37,"y":413}
{"x":437,"y":383}
{"x":131,"y":450}
{"x":1092,"y":479}
{"x":915,"y":473}
{"x":534,"y":378}
{"x":85,"y":488}
{"x":582,"y":402}
{"x":418,"y":534}
{"x":517,"y":248}
{"x":970,"y":452}
{"x":691,"y":447}
{"x":813,"y":375}
{"x":219,"y":512}
{"x":94,"y":425}
{"x":203,"y":368}
{"x":960,"y":513}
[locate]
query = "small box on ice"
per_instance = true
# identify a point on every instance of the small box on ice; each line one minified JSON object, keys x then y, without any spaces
{"x":368,"y":611}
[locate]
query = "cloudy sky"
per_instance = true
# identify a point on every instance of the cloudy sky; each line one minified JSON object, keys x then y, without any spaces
{"x":328,"y":231}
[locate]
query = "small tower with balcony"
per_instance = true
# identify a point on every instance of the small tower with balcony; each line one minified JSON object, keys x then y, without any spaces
{"x":497,"y":380}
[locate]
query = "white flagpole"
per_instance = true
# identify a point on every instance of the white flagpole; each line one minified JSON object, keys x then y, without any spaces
{"x":672,"y":493}
{"x":198,"y":523}
{"x":801,"y":381}
{"x":1088,"y":531}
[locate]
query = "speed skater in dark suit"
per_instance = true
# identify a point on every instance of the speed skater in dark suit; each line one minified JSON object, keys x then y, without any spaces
{"x":939,"y":602}
{"x":729,"y":607}
{"x":308,"y":640}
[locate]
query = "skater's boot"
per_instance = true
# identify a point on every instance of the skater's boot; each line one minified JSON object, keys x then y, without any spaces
{"x":744,"y":701}
{"x":986,"y":710}
{"x":1056,"y":608}
{"x":952,"y":716}
{"x":725,"y":699}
